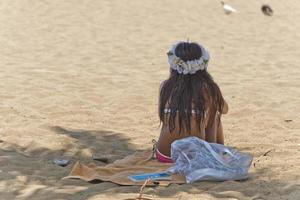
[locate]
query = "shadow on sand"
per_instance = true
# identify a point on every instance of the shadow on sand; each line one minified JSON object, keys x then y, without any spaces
{"x":41,"y":183}
{"x":20,"y":180}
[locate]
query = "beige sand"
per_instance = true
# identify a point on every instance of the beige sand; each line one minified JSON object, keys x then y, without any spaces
{"x":79,"y":77}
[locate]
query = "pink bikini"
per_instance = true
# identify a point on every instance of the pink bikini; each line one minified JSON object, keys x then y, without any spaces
{"x":162,"y":158}
{"x":159,"y":156}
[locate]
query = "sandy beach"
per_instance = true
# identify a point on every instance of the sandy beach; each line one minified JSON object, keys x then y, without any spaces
{"x":81,"y":77}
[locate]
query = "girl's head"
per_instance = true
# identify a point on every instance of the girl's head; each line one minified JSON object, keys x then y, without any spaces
{"x":188,"y":51}
{"x":188,"y":58}
{"x":189,"y":87}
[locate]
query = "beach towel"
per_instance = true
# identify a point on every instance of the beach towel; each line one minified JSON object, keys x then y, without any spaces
{"x":118,"y":171}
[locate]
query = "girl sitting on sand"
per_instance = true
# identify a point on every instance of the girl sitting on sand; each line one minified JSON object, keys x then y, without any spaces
{"x":190,"y":102}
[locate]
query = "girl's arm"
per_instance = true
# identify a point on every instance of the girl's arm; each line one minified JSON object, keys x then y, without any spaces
{"x":214,"y":133}
{"x":220,"y":135}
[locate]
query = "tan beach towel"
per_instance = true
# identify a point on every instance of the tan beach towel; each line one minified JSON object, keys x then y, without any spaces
{"x":118,"y":172}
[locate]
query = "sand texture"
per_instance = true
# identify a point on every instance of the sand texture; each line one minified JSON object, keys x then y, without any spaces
{"x":79,"y":77}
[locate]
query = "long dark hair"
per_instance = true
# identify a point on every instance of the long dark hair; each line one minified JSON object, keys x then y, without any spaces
{"x":181,"y":93}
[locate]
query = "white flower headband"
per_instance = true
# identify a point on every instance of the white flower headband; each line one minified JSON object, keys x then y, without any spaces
{"x":189,"y":67}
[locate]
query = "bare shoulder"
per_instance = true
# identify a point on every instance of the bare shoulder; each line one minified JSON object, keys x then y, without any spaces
{"x":209,"y":100}
{"x":225,"y":108}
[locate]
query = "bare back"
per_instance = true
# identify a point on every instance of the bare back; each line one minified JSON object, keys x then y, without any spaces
{"x":211,"y":133}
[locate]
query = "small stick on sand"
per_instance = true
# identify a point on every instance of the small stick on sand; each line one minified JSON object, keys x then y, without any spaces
{"x":264,"y":154}
{"x":141,"y":190}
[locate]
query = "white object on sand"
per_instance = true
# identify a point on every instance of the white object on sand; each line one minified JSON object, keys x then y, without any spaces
{"x":61,"y":162}
{"x":199,"y":160}
{"x":227,"y":8}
